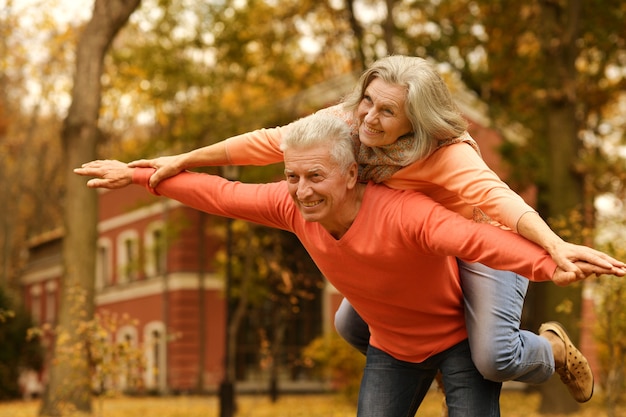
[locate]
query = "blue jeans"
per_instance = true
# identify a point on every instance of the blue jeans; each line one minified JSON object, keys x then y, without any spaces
{"x":493,"y":309}
{"x":394,"y":388}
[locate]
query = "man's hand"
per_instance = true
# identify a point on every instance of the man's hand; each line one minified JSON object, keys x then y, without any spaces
{"x":166,"y":167}
{"x":109,"y":174}
{"x":563,"y":278}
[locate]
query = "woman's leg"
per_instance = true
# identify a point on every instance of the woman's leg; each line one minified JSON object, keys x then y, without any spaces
{"x":394,"y":388}
{"x":493,"y":309}
{"x":351,"y":327}
{"x":468,"y":393}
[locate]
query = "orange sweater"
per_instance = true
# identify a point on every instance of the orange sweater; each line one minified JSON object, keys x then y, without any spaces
{"x":395,"y":264}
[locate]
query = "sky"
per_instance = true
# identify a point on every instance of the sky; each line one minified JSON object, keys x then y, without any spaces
{"x":63,"y":10}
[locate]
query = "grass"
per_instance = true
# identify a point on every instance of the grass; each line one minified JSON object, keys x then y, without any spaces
{"x":513,"y":404}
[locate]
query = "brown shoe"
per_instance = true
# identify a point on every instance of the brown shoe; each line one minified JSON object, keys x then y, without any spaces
{"x":575,"y":373}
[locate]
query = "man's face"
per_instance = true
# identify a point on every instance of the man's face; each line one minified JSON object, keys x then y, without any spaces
{"x":318,"y":185}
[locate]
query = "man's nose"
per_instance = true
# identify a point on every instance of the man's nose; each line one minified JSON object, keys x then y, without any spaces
{"x":304,"y":189}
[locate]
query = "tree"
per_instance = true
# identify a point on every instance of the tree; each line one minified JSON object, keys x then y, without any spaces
{"x":71,"y":385}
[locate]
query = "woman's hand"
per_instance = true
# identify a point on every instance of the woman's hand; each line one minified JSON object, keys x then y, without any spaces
{"x":566,"y":254}
{"x":165,"y":166}
{"x":569,"y":257}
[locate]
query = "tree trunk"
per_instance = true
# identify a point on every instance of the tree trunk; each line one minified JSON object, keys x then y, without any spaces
{"x":564,"y":184}
{"x":69,"y":382}
{"x":360,"y":63}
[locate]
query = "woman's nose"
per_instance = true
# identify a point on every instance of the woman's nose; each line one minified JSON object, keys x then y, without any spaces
{"x":371,"y":115}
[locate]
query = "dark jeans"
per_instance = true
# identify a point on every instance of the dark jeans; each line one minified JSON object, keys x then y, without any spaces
{"x":394,"y":388}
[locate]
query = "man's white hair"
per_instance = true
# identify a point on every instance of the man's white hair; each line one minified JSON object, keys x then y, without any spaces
{"x":322,"y":129}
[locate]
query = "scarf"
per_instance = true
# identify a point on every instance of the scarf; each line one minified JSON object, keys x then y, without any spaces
{"x":380,"y":163}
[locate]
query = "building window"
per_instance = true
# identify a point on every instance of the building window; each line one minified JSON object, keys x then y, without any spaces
{"x":128,"y":257}
{"x":104,"y":277}
{"x":155,"y":250}
{"x":35,"y":303}
{"x":51,"y":302}
{"x":126,"y":339}
{"x":155,"y":353}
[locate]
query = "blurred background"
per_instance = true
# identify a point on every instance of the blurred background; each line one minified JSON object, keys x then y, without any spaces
{"x":160,"y":299}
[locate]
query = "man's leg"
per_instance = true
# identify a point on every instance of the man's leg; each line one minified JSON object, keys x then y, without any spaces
{"x":393,"y":388}
{"x":351,"y":327}
{"x":493,"y":310}
{"x":468,"y":393}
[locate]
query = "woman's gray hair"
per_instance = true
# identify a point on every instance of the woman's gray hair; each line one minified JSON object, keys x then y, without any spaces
{"x":322,"y":129}
{"x":429,"y":104}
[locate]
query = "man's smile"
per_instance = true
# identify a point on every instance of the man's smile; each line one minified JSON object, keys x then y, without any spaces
{"x":311,"y":203}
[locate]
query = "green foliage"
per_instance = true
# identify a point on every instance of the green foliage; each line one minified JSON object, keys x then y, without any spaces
{"x":335,"y":360}
{"x":610,"y":327}
{"x":611,"y":337}
{"x":17,"y":353}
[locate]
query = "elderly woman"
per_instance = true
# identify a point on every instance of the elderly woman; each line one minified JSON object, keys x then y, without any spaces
{"x":411,"y":136}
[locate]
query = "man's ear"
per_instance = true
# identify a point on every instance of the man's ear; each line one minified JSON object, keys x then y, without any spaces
{"x":353,"y":175}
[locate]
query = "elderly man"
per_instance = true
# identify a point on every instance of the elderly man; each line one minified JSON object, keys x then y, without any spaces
{"x":373,"y":244}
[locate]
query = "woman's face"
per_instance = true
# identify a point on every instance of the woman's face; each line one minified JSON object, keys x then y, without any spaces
{"x":381,"y":115}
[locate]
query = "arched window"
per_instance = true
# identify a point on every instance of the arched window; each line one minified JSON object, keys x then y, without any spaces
{"x":156,"y":356}
{"x":126,"y":338}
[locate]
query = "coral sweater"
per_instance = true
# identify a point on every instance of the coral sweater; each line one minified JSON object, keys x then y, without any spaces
{"x":454,"y":175}
{"x":395,"y":264}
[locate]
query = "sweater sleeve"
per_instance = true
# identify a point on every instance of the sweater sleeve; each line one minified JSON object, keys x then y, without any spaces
{"x":262,"y":147}
{"x":265,"y":204}
{"x":458,"y":173}
{"x":443,"y":232}
{"x":259,"y":147}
